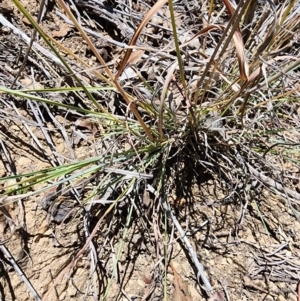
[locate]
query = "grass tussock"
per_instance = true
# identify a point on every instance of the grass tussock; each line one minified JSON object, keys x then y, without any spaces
{"x":178,"y":100}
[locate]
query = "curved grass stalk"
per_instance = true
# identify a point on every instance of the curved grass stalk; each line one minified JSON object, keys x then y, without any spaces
{"x":137,"y":33}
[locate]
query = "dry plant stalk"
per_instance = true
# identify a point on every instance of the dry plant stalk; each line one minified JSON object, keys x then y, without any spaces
{"x":137,"y":33}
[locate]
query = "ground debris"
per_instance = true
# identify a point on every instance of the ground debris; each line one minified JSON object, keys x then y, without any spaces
{"x":181,"y":292}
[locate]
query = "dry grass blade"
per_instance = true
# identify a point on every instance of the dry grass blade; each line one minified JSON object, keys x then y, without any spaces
{"x":137,"y":33}
{"x":135,"y":56}
{"x":190,"y":249}
{"x":86,"y":38}
{"x":33,"y":35}
{"x":240,"y":49}
{"x":239,"y":45}
{"x":221,"y":47}
{"x":229,"y":7}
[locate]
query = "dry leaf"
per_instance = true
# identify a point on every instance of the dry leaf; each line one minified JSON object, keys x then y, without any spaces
{"x":27,"y":83}
{"x":181,"y":292}
{"x":217,"y":296}
{"x":239,"y":45}
{"x":135,"y":56}
{"x":90,"y":125}
{"x":27,"y":22}
{"x":62,"y":32}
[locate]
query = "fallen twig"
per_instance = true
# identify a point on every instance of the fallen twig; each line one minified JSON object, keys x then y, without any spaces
{"x":268,"y":181}
{"x":193,"y":254}
{"x":19,"y":33}
{"x":271,"y":183}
